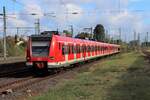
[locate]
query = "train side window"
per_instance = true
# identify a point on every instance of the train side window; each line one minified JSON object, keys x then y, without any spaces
{"x":83,"y":49}
{"x":77,"y":48}
{"x":66,"y":49}
{"x":59,"y":46}
{"x":80,"y":48}
{"x":74,"y":49}
{"x":63,"y":49}
{"x":93,"y":48}
{"x":69,"y":49}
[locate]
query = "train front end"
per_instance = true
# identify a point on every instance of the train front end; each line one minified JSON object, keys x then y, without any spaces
{"x":38,"y":49}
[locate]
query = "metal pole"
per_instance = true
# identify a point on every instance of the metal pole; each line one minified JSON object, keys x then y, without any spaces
{"x":4,"y":35}
{"x":91,"y":30}
{"x":71,"y":29}
{"x":120,"y":35}
{"x":35,"y":28}
{"x":147,"y":39}
{"x":38,"y":25}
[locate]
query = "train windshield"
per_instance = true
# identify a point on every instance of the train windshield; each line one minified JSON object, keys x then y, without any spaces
{"x":40,"y":50}
{"x":40,"y":46}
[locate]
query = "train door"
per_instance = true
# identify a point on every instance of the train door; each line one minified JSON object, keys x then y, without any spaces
{"x":78,"y":52}
{"x":66,"y":52}
{"x":74,"y":52}
{"x":70,"y":52}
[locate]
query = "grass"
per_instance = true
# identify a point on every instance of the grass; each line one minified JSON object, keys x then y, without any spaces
{"x":122,"y":77}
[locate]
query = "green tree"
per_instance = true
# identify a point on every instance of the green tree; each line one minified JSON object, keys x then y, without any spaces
{"x":84,"y":35}
{"x":67,"y":33}
{"x":99,"y":33}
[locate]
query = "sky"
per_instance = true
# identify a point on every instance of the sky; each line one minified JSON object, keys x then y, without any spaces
{"x":128,"y":15}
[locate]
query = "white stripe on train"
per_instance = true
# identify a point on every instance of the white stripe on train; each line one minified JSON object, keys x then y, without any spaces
{"x":66,"y":63}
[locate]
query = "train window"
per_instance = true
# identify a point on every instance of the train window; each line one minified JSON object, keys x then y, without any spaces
{"x":81,"y":49}
{"x":84,"y":48}
{"x":74,"y":49}
{"x":98,"y":48}
{"x":95,"y":48}
{"x":59,"y":46}
{"x":102,"y":48}
{"x":77,"y":47}
{"x":87,"y":48}
{"x":63,"y":49}
{"x":69,"y":49}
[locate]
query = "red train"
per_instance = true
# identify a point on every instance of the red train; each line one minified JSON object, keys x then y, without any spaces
{"x":45,"y":51}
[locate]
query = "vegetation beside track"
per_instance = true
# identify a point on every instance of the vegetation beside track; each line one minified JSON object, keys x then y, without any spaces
{"x":122,"y":77}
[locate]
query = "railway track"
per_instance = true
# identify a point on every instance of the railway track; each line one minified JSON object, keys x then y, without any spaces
{"x":19,"y":84}
{"x":11,"y":87}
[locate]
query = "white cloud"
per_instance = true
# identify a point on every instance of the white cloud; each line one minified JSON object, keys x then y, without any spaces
{"x":102,"y":12}
{"x":14,"y":20}
{"x":34,"y":8}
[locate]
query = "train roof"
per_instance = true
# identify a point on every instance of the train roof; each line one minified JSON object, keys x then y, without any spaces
{"x":75,"y":40}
